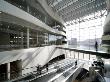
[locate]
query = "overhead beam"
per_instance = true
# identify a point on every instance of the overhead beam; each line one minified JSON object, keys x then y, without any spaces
{"x":66,"y":5}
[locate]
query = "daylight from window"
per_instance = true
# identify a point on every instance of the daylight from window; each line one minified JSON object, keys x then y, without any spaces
{"x":89,"y":30}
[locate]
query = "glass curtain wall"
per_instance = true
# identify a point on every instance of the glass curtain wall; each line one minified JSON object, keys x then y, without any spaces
{"x":85,"y":31}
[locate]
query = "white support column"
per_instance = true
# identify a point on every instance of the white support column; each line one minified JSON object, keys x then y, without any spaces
{"x":48,"y":37}
{"x":70,"y":53}
{"x":83,"y":55}
{"x":28,"y":9}
{"x":89,"y":56}
{"x":74,"y":54}
{"x":22,"y":39}
{"x":78,"y":55}
{"x":8,"y":71}
{"x":27,"y":37}
{"x":45,"y":34}
{"x":37,"y":38}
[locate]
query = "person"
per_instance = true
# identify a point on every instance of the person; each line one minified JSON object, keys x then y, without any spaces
{"x":47,"y":67}
{"x":96,"y":46}
{"x":75,"y":63}
{"x":39,"y":69}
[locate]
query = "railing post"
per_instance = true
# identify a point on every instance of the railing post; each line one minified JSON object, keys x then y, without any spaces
{"x":83,"y":55}
{"x":78,"y":55}
{"x":89,"y":56}
{"x":70,"y":53}
{"x":74,"y":54}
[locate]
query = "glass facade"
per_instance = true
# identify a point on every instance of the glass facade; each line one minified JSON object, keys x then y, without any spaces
{"x":86,"y":30}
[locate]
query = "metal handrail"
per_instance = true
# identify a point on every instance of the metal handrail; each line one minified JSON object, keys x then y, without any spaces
{"x":101,"y":78}
{"x":29,"y":73}
{"x":84,"y":75}
{"x":103,"y":54}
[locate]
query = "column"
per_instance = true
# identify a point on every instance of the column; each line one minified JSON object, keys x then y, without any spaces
{"x":28,"y":9}
{"x":22,"y":40}
{"x":8,"y":71}
{"x":78,"y":55}
{"x":89,"y":56}
{"x":74,"y":54}
{"x":83,"y":55}
{"x":48,"y":38}
{"x":27,"y":37}
{"x":70,"y":53}
{"x":37,"y":38}
{"x":55,"y":39}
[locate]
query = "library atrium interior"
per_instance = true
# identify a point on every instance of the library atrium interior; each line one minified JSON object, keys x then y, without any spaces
{"x":54,"y":40}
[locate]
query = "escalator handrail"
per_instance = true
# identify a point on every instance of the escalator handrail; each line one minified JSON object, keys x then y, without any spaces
{"x":101,"y":78}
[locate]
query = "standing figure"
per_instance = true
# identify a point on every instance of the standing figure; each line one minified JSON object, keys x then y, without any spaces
{"x":96,"y":46}
{"x":47,"y":67}
{"x":39,"y":69}
{"x":75,"y":63}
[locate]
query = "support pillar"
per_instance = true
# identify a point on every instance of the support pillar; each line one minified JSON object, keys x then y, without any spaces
{"x":8,"y":71}
{"x":89,"y":56}
{"x":70,"y":54}
{"x":48,"y":39}
{"x":78,"y":55}
{"x":27,"y":37}
{"x":22,"y":40}
{"x":37,"y":38}
{"x":65,"y":54}
{"x":83,"y":55}
{"x":28,"y":9}
{"x":74,"y":54}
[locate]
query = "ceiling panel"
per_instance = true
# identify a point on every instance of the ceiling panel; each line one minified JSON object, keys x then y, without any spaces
{"x":74,"y":9}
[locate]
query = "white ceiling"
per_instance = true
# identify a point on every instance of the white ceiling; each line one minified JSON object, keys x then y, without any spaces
{"x":73,"y":9}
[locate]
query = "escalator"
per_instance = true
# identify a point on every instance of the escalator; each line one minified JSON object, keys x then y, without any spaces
{"x":84,"y":76}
